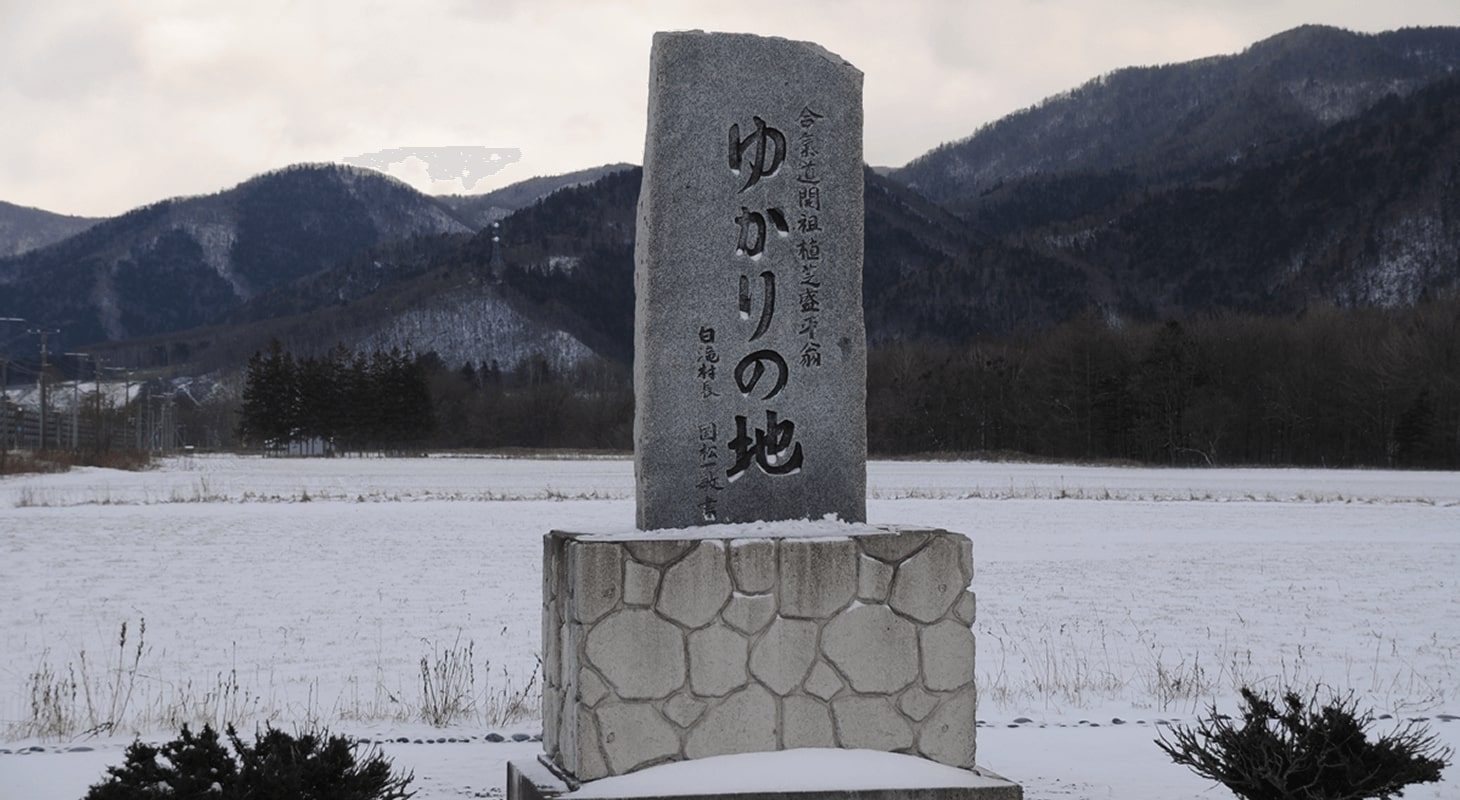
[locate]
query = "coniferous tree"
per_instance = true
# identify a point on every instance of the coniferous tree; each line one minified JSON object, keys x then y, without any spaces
{"x":270,"y":409}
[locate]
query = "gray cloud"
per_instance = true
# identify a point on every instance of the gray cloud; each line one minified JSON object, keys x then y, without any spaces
{"x":108,"y":106}
{"x":81,"y":65}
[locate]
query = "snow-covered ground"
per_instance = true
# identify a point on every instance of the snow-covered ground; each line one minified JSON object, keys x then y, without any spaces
{"x":306,"y":591}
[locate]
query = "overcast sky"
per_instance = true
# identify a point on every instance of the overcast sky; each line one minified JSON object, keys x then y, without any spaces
{"x":105,"y":106}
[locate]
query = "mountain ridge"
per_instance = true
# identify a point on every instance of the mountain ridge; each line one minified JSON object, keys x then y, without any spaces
{"x":1187,"y":117}
{"x":183,"y":261}
{"x":24,"y":228}
{"x":1345,"y":199}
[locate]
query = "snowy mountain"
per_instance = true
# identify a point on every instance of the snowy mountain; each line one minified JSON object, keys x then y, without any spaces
{"x":558,"y":285}
{"x":23,"y":229}
{"x":1360,"y":214}
{"x":292,"y":242}
{"x":1179,"y":120}
{"x":186,"y":262}
{"x":1316,"y":167}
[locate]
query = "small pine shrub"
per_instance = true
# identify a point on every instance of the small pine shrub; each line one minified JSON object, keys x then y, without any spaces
{"x":188,"y":766}
{"x":1300,"y":750}
{"x":277,"y":765}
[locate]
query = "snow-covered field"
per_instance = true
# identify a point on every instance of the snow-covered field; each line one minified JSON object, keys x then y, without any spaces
{"x":307,"y":591}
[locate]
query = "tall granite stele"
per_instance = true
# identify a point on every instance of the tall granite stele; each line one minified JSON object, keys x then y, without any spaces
{"x":753,"y":609}
{"x":750,"y":363}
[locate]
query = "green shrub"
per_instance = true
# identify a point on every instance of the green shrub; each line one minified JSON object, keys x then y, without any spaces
{"x":277,"y":765}
{"x":1300,"y":750}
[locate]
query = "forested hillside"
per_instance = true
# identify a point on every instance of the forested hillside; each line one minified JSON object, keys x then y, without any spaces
{"x":1176,"y":121}
{"x":24,"y":229}
{"x":187,"y":262}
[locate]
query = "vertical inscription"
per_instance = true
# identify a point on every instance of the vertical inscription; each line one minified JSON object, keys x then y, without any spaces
{"x":808,"y":229}
{"x":763,"y":236}
{"x":707,"y":450}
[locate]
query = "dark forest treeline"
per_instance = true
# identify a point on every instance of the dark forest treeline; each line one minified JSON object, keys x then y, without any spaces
{"x":393,"y":402}
{"x":341,"y":402}
{"x":587,"y":407}
{"x":1330,"y":387}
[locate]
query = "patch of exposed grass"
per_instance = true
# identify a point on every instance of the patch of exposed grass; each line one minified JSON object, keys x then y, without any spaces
{"x":84,"y":697}
{"x":25,"y":462}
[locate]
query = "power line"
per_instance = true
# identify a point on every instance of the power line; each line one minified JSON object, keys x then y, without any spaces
{"x":20,"y":369}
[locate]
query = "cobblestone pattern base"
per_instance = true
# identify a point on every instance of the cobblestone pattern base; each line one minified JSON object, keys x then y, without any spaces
{"x":664,"y":650}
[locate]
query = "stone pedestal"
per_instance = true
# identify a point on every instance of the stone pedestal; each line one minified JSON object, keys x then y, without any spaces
{"x":840,"y":636}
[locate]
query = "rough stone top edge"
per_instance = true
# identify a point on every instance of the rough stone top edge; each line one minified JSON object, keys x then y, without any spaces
{"x":830,"y":528}
{"x":811,"y":46}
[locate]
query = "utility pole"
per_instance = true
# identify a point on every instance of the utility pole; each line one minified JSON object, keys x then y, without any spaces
{"x":76,"y":400}
{"x":41,"y":381}
{"x":5,"y":420}
{"x":5,"y":395}
{"x":119,"y":437}
{"x":169,"y":422}
{"x":127,"y":406}
{"x":96,"y":426}
{"x":4,"y":404}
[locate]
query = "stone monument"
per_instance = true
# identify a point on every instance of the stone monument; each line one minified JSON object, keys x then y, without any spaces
{"x":753,"y":609}
{"x":750,"y":357}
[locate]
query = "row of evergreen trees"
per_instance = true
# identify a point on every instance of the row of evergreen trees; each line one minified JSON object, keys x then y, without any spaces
{"x":534,"y":405}
{"x":394,"y":402}
{"x":1330,"y":387}
{"x":337,"y":403}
